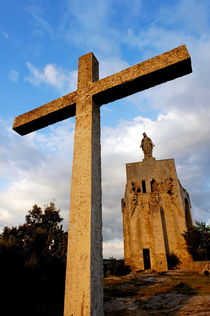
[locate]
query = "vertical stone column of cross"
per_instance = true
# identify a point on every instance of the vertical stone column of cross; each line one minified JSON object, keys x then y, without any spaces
{"x":84,"y":288}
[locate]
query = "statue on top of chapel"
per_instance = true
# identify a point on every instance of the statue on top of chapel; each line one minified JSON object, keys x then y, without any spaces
{"x":147,"y":146}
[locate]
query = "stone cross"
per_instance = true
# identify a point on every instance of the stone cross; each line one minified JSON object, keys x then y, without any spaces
{"x":84,"y":287}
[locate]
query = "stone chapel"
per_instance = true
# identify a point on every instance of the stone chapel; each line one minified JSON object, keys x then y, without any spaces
{"x":156,"y":211}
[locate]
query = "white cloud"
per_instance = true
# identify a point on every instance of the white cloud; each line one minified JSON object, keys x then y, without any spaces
{"x":113,"y":247}
{"x":88,"y":25}
{"x":188,"y":15}
{"x":5,"y":34}
{"x":184,"y":22}
{"x":53,"y":76}
{"x":111,"y":65}
{"x":65,"y":81}
{"x":39,"y":22}
{"x":13,"y":75}
{"x":37,"y":171}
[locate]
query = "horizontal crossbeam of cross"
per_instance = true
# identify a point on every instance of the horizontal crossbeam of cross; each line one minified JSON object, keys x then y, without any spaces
{"x":159,"y":69}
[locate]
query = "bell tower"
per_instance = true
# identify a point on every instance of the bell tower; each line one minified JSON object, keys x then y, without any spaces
{"x":156,"y":211}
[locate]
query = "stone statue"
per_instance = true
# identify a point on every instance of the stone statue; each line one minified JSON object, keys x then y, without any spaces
{"x":147,"y":146}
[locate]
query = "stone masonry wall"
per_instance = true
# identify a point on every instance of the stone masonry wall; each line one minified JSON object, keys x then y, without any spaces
{"x":154,"y":214}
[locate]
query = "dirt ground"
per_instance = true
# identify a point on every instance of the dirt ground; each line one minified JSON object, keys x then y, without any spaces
{"x":149,"y":293}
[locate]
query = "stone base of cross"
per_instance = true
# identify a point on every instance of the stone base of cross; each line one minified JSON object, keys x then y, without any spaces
{"x":84,"y":272}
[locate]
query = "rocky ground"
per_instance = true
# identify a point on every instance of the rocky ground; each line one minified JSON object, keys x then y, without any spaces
{"x":149,"y":293}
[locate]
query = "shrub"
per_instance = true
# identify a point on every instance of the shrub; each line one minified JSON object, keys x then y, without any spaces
{"x":116,"y":267}
{"x":173,"y":261}
{"x":198,"y":241}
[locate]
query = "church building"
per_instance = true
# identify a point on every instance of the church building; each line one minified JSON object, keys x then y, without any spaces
{"x":156,"y":211}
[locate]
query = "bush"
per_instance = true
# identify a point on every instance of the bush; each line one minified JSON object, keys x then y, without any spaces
{"x":198,"y":241}
{"x":173,"y":261}
{"x":116,"y":267}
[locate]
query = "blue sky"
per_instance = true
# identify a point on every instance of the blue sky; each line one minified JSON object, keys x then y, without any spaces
{"x":40,"y":44}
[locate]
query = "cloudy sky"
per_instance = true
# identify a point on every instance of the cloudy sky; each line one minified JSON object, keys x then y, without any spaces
{"x":40,"y":44}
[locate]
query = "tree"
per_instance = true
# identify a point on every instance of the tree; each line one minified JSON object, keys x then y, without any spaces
{"x":40,"y":239}
{"x":45,"y":238}
{"x":32,"y":264}
{"x":198,"y":241}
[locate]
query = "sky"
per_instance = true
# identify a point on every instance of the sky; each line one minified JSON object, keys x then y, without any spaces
{"x":40,"y":44}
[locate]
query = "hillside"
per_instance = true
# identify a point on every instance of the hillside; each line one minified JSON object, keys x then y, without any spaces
{"x":171,"y":293}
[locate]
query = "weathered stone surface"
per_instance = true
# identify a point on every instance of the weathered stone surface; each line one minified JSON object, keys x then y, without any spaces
{"x":52,"y":112}
{"x":159,"y":69}
{"x":84,"y":288}
{"x":179,"y":292}
{"x":154,"y":214}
